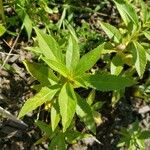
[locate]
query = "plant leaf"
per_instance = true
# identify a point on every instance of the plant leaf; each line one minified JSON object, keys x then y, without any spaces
{"x":84,"y":112}
{"x":27,"y":23}
{"x":42,"y":73}
{"x":145,"y":13}
{"x":41,"y":140}
{"x":44,"y":127}
{"x":91,"y":97}
{"x":97,"y":117}
{"x":67,"y":104}
{"x":127,"y":12}
{"x":97,"y":106}
{"x":106,"y":82}
{"x":72,"y":54}
{"x":2,"y":30}
{"x":88,"y":60}
{"x":49,"y":47}
{"x":116,"y":66}
{"x":145,"y":135}
{"x":140,"y":57}
{"x":71,"y":30}
{"x":147,"y":34}
{"x":58,"y":142}
{"x":57,"y":66}
{"x":45,"y":94}
{"x":60,"y":22}
{"x":141,"y":144}
{"x":121,"y":144}
{"x":55,"y":116}
{"x":112,"y":32}
{"x":73,"y":136}
{"x":115,"y":70}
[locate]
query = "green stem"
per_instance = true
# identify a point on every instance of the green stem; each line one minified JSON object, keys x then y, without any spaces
{"x":2,"y":16}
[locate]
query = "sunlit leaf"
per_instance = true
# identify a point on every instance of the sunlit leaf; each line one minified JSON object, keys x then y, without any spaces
{"x":60,"y":22}
{"x":27,"y":22}
{"x":72,"y":54}
{"x":97,"y":117}
{"x":2,"y":30}
{"x":116,"y":66}
{"x":145,"y":13}
{"x":127,"y":12}
{"x":91,"y":97}
{"x":42,"y":73}
{"x":57,"y":66}
{"x":112,"y":32}
{"x":45,"y":94}
{"x":140,"y":143}
{"x":67,"y":104}
{"x":115,"y":70}
{"x":49,"y":47}
{"x":71,"y":30}
{"x":88,"y":60}
{"x":147,"y":34}
{"x":140,"y":58}
{"x":121,"y":144}
{"x":55,"y":116}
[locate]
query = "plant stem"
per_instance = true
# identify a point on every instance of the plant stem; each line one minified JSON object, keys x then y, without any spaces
{"x":2,"y":16}
{"x":7,"y":57}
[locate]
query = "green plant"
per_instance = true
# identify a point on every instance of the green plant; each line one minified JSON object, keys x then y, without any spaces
{"x":129,"y":41}
{"x":134,"y":137}
{"x":59,"y":79}
{"x":61,"y":70}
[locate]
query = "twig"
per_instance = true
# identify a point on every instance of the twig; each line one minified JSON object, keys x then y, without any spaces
{"x":8,"y":115}
{"x":6,"y":43}
{"x":9,"y":54}
{"x":10,"y":51}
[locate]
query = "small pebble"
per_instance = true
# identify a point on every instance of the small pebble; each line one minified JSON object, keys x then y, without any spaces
{"x":144,"y":109}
